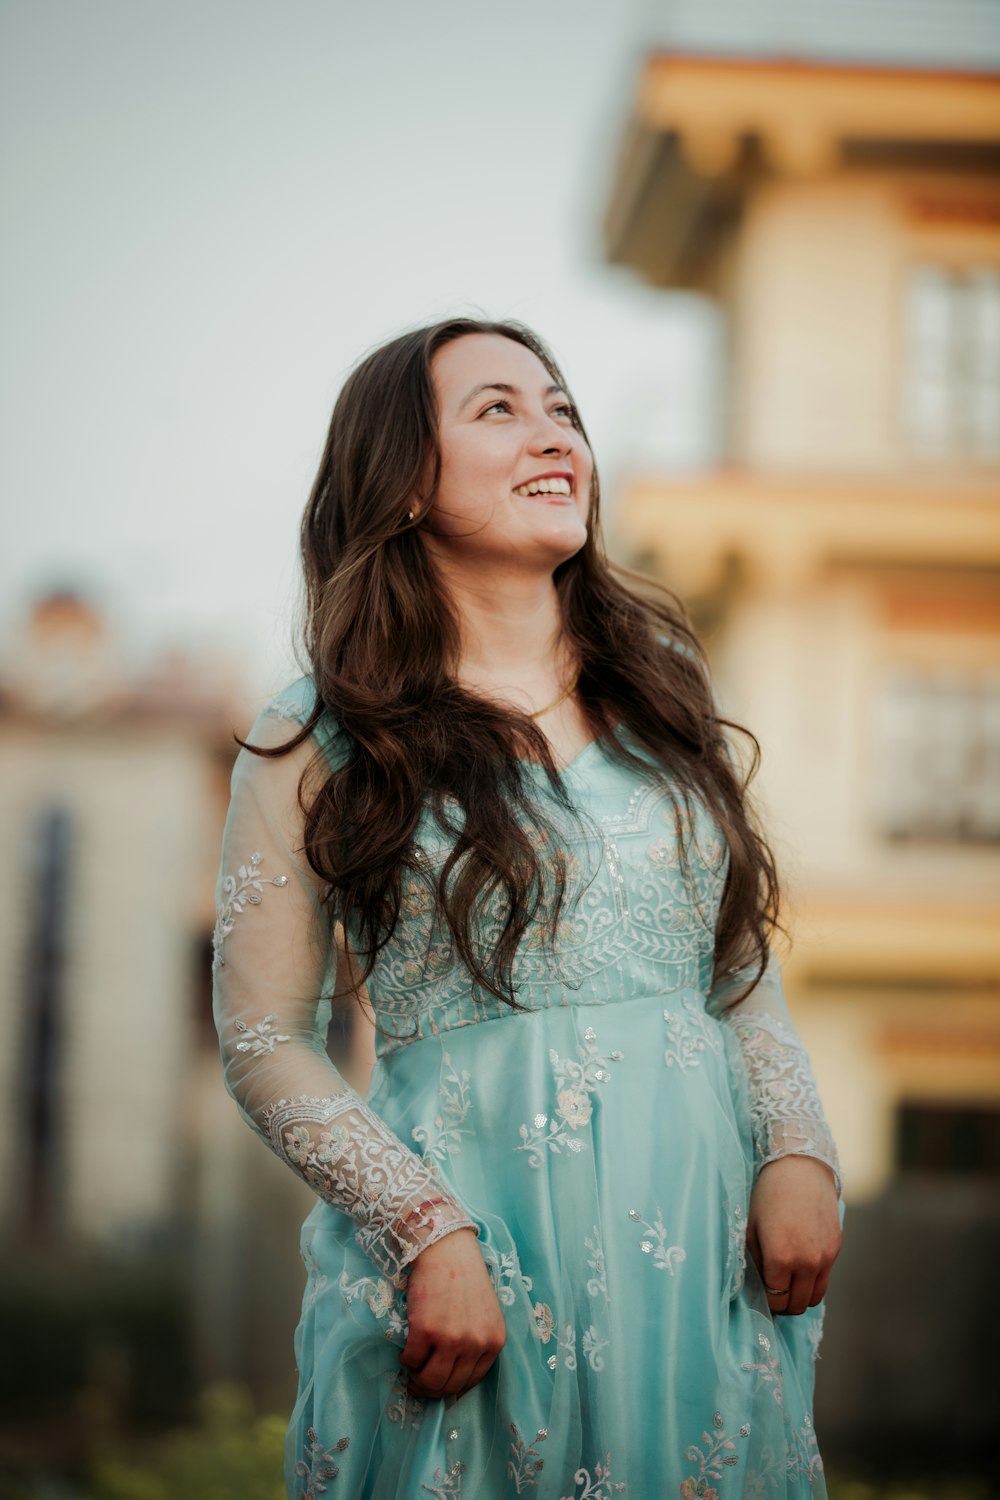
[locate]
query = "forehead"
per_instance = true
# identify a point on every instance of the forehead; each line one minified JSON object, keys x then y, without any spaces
{"x":476,"y":358}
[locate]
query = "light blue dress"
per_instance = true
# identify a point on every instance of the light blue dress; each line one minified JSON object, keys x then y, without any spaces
{"x":603,"y":1141}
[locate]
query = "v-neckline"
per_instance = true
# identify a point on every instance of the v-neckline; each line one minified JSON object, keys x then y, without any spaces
{"x":574,"y":760}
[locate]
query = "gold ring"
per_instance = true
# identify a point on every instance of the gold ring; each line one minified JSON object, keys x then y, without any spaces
{"x":777,"y":1291}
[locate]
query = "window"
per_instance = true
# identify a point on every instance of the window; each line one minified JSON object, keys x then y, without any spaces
{"x":951,"y":363}
{"x":937,"y":755}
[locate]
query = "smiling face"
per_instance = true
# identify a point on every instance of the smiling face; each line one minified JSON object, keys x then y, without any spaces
{"x":515,"y":480}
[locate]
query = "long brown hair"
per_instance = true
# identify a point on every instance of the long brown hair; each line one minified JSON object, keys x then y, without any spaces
{"x":383,"y":643}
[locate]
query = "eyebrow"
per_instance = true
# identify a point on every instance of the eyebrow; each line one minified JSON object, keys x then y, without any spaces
{"x":508,"y":390}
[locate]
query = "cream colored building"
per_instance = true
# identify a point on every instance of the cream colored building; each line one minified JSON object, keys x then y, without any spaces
{"x":112,"y":794}
{"x":843,"y":557}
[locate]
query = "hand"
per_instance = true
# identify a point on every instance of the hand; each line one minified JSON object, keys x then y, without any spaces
{"x":456,"y":1328}
{"x":793,"y":1231}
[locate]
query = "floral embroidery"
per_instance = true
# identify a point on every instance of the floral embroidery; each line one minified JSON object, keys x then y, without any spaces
{"x":404,"y":1408}
{"x":261,"y":1039}
{"x":504,"y":1270}
{"x":767,"y":1369}
{"x":689,"y":1036}
{"x":567,"y":1343}
{"x":544,"y":1321}
{"x":276,"y":708}
{"x":619,"y":889}
{"x":785,"y":1111}
{"x":383,"y":1299}
{"x":737,"y":1248}
{"x":243,"y":889}
{"x":814,"y":1329}
{"x":302,"y":1151}
{"x":717,"y":1451}
{"x":356,"y":1164}
{"x":317,"y":1280}
{"x":654,"y":1242}
{"x":444,"y":1139}
{"x":803,"y":1454}
{"x":317,"y":1465}
{"x":597,"y":1286}
{"x":447,"y":1485}
{"x":599,"y":1486}
{"x":592,"y":1344}
{"x":575,"y":1082}
{"x":698,"y":1489}
{"x":524,"y":1464}
{"x":574,"y":1107}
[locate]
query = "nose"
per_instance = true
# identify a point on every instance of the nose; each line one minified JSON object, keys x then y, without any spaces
{"x":551,"y":436}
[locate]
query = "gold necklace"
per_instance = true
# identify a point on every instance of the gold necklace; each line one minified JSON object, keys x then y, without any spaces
{"x":568,"y":693}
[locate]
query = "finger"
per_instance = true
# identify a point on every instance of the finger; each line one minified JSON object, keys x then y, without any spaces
{"x":777,"y":1276}
{"x":482,"y":1367}
{"x":800,"y":1293}
{"x":819,"y":1289}
{"x":461,"y":1376}
{"x":777,"y":1299}
{"x":479,"y":1368}
{"x":431,"y":1380}
{"x":417,"y":1349}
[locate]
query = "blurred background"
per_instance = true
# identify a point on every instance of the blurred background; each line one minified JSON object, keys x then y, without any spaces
{"x":764,"y":242}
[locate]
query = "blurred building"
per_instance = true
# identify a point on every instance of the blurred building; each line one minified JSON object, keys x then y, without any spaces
{"x":843,"y":561}
{"x":126,"y":1175}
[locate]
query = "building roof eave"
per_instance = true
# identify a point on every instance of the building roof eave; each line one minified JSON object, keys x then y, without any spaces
{"x":785,"y":527}
{"x":705,"y":129}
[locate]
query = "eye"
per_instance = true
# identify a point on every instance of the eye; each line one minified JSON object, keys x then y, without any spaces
{"x":566,"y":409}
{"x":502,"y":404}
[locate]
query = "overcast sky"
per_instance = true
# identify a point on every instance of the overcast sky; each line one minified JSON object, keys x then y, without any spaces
{"x":213,"y":209}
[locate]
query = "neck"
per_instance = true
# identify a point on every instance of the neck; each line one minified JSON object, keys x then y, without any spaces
{"x":510,"y":628}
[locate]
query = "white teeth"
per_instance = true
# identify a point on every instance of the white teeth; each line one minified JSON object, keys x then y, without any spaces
{"x":545,"y":487}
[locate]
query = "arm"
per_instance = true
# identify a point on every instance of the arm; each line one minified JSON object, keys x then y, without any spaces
{"x":793,"y":1224}
{"x":785,"y":1109}
{"x":274,"y":955}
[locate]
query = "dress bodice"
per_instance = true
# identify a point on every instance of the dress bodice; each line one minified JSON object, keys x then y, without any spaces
{"x":644,"y":875}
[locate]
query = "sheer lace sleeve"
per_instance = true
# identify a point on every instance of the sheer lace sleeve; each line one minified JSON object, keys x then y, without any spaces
{"x":785,"y":1109}
{"x":274,"y":961}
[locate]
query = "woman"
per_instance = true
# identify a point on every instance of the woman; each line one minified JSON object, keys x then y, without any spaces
{"x":502,"y":800}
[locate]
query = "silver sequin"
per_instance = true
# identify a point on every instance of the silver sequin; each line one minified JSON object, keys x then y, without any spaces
{"x":635,"y":1215}
{"x":453,"y":1434}
{"x":541,"y":1121}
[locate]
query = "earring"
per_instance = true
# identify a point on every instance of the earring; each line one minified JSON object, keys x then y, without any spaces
{"x":409,"y":515}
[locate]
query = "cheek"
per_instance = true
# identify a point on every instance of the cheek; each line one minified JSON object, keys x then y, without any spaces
{"x":586,"y":471}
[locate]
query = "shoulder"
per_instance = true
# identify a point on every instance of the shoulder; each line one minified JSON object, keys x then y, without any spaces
{"x":294,"y":703}
{"x":289,"y":711}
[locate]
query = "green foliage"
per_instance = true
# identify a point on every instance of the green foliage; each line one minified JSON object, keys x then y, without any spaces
{"x":67,"y":1326}
{"x":231,"y":1454}
{"x":933,"y":1489}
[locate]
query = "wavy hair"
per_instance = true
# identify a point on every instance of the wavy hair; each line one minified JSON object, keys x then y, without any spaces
{"x":383,"y":642}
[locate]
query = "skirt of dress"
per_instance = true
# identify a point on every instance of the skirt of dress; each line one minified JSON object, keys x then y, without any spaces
{"x":605,"y":1153}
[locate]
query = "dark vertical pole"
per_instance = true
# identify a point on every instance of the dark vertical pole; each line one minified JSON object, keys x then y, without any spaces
{"x":45,"y":984}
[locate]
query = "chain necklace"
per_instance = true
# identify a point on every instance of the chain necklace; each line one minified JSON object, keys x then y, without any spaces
{"x":568,"y":693}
